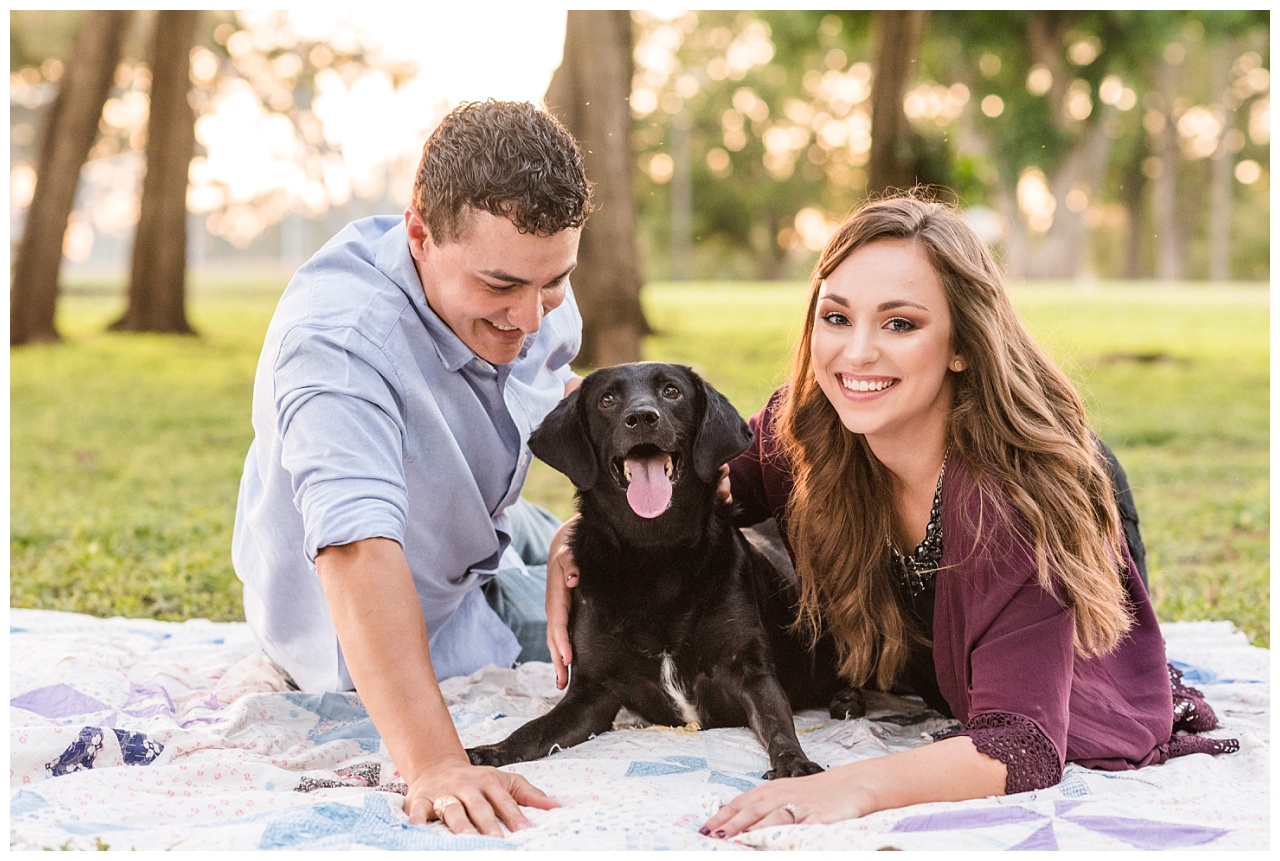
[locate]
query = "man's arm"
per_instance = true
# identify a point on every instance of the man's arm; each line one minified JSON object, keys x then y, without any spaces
{"x":379,"y":624}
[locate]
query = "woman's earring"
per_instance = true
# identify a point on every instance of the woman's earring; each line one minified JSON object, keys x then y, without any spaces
{"x":958,"y":364}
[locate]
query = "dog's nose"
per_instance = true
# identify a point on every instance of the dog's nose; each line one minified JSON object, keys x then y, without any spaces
{"x":641,"y":416}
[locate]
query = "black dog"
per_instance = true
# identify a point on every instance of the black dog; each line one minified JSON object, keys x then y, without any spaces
{"x":677,"y":617}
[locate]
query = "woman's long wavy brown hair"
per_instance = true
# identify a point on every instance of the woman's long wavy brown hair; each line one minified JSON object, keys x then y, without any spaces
{"x":1016,"y":421}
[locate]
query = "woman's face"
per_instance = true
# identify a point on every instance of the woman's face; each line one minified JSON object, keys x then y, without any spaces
{"x":882,"y":344}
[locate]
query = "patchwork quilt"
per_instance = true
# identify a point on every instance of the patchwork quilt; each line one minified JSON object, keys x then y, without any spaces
{"x":138,"y":734}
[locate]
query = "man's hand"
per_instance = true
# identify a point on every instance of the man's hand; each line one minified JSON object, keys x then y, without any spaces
{"x":376,"y":615}
{"x":562,"y":575}
{"x":484,"y":797}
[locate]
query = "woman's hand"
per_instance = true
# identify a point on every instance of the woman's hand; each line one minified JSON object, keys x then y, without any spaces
{"x":562,"y":575}
{"x":818,"y":798}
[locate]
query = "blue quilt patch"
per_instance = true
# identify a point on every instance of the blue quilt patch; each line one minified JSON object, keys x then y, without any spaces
{"x":671,"y":765}
{"x":25,"y":801}
{"x":340,"y":717}
{"x":340,"y":826}
{"x":729,"y":780}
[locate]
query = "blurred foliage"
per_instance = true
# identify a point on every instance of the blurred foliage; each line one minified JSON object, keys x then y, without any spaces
{"x":752,"y":130}
{"x":253,"y":65}
{"x":775,"y":104}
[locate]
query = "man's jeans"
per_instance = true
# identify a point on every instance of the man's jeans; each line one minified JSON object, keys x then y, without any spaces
{"x":517,"y":597}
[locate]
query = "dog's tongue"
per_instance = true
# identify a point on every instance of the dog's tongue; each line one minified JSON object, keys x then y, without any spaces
{"x":650,"y":490}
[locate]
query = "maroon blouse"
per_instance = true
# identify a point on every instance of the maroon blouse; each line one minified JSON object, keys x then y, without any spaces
{"x":1003,"y":646}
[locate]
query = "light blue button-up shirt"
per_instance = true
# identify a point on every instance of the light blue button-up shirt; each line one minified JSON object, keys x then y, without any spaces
{"x":372,"y":419}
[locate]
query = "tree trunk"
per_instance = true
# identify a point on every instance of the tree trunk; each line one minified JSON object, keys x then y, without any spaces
{"x":590,"y":92}
{"x":69,"y":133}
{"x":157,"y":279}
{"x":897,"y":41}
{"x":1133,"y":195}
{"x":773,"y":264}
{"x":1017,"y":238}
{"x":1046,"y":34}
{"x":681,"y":199}
{"x":1169,"y":246}
{"x":1063,"y":252}
{"x":1222,"y":171}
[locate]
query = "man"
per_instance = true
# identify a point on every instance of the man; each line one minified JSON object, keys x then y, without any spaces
{"x":402,"y":373}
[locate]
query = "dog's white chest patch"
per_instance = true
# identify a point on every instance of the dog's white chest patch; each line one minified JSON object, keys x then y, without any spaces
{"x":679,"y":698}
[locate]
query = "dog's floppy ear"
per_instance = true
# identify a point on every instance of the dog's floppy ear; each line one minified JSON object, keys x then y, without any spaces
{"x":561,"y":442}
{"x":722,"y":434}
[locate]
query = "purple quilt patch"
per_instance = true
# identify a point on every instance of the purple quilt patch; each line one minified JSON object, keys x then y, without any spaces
{"x":968,"y":818}
{"x":58,"y":701}
{"x":1139,"y":833}
{"x":148,"y":701}
{"x":1149,"y":833}
{"x":1043,"y":840}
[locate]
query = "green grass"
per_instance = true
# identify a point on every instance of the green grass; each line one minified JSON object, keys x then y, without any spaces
{"x":126,"y":450}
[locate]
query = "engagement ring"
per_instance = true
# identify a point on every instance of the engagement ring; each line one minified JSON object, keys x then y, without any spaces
{"x":444,"y":801}
{"x":795,"y":814}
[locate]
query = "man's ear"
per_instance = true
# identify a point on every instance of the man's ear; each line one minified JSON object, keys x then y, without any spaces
{"x":722,"y":434}
{"x":561,"y":441}
{"x":419,"y":234}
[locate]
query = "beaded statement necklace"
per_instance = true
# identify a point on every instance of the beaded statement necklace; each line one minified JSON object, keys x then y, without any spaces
{"x":917,"y":570}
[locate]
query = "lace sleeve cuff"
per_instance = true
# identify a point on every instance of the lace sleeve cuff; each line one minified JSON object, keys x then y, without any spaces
{"x":1192,"y":714}
{"x":1029,"y":757}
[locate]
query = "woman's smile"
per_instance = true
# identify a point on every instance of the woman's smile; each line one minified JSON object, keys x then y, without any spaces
{"x":865,"y":385}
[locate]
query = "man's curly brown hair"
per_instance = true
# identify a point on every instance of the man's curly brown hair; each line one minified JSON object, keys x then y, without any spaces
{"x":511,"y":159}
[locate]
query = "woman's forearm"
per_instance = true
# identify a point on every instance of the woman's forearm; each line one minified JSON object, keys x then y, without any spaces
{"x":947,"y":770}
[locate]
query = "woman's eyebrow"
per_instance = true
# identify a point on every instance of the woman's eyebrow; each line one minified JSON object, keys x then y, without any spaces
{"x":891,"y":305}
{"x":900,"y":303}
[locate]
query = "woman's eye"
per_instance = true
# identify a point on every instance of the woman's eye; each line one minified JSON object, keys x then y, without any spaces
{"x":835,"y":318}
{"x":899,"y":324}
{"x":607,"y":400}
{"x":670,"y":392}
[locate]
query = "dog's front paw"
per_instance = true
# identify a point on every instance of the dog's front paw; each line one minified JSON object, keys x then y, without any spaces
{"x":490,"y":754}
{"x":849,"y":703}
{"x":797,"y":766}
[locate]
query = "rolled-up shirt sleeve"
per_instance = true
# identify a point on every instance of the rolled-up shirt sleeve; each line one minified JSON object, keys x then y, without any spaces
{"x":342,"y":437}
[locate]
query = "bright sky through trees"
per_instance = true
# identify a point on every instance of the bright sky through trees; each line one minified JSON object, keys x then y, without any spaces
{"x":462,"y":53}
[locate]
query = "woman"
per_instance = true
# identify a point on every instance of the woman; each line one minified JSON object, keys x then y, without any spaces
{"x":952,"y":523}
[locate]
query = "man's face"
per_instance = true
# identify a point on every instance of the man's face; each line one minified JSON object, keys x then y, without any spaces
{"x":492,"y":284}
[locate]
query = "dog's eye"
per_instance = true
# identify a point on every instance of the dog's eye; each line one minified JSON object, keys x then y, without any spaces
{"x":608,"y":400}
{"x":670,"y":392}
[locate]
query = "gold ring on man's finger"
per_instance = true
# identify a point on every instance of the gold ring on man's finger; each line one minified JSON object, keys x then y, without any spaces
{"x":438,"y":806}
